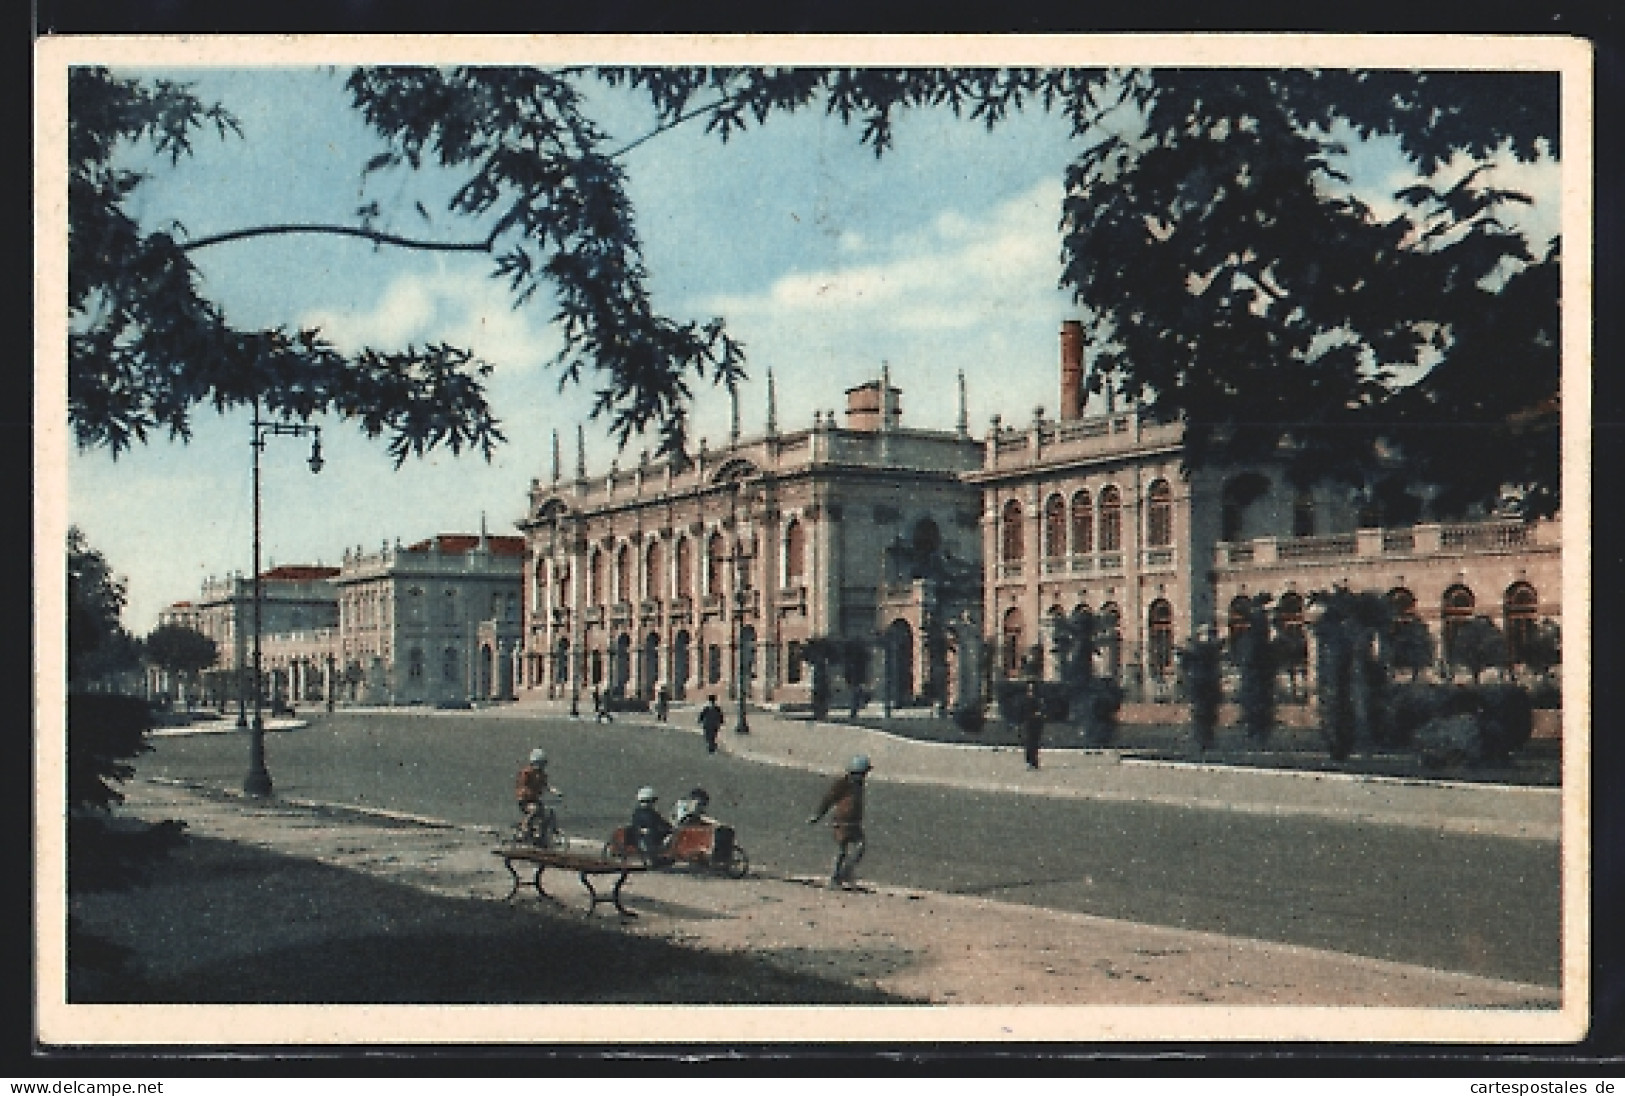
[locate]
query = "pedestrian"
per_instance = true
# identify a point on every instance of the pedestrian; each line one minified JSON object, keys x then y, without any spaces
{"x":600,"y":706}
{"x":845,"y":796}
{"x":1032,"y":723}
{"x":662,"y":703}
{"x":854,"y":702}
{"x":711,"y":722}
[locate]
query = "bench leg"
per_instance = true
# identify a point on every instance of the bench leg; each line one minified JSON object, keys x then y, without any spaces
{"x":594,"y":899}
{"x":535,"y":880}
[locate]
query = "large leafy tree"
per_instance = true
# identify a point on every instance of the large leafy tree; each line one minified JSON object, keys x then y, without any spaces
{"x":181,"y":651}
{"x":1232,"y":277}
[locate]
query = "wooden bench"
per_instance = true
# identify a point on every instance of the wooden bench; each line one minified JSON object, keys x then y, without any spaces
{"x":584,"y":865}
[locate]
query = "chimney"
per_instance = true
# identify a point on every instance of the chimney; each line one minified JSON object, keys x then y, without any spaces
{"x":1071,"y":369}
{"x":864,"y":408}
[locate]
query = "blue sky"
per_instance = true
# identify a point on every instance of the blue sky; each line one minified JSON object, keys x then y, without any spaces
{"x":941,"y":256}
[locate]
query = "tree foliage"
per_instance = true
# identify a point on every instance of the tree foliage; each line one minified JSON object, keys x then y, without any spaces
{"x":1477,"y":645}
{"x":1231,"y":277}
{"x":182,"y":651}
{"x":98,"y":644}
{"x":146,"y":347}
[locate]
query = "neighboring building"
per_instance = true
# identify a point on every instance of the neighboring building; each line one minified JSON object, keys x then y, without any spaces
{"x":294,"y":598}
{"x":705,"y":573}
{"x":1097,"y":512}
{"x":437,"y":622}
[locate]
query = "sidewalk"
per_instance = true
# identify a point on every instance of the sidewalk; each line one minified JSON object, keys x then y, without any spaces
{"x":917,"y":945}
{"x":1502,"y":810}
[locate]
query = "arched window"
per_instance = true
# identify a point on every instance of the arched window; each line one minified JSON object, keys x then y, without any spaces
{"x":1111,"y":520}
{"x":715,"y":551}
{"x":623,"y":574}
{"x":1240,"y":616}
{"x":654,"y":571}
{"x":1054,"y":527}
{"x":685,"y":568}
{"x":1303,"y":514}
{"x":1289,"y":622}
{"x":1011,"y":546}
{"x":1520,"y":607}
{"x":1012,"y":630}
{"x":1109,"y":629}
{"x":1159,"y":619}
{"x":1403,"y":603}
{"x":1457,"y":610}
{"x":795,"y":555}
{"x":1159,"y":517}
{"x":595,"y":578}
{"x":1083,"y":524}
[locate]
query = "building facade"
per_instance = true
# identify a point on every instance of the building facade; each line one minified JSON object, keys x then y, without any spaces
{"x":1097,"y":512}
{"x":712,"y":575}
{"x":437,"y":622}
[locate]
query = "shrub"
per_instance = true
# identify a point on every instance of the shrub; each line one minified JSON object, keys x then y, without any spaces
{"x":1455,"y":724}
{"x":1101,"y":704}
{"x":970,"y":718}
{"x":1257,"y":657}
{"x":1545,"y":694}
{"x":1204,"y":680}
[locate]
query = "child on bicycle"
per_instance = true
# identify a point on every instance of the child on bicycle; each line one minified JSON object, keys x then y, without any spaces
{"x":531,"y":791}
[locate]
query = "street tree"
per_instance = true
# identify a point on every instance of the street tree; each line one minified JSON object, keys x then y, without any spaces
{"x":1231,"y":277}
{"x":181,"y":651}
{"x":1476,"y":645}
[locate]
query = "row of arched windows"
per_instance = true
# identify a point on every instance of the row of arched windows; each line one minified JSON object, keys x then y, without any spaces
{"x":630,"y":576}
{"x":1086,"y":524}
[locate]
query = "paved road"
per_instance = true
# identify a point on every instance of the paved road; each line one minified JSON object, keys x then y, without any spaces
{"x":1480,"y":904}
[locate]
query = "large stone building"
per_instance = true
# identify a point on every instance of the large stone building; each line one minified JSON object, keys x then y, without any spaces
{"x":432,"y":623}
{"x":705,"y":574}
{"x":295,"y":599}
{"x":1097,"y":512}
{"x":435,"y":622}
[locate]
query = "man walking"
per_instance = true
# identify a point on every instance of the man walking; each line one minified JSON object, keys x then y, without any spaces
{"x":600,"y":706}
{"x":711,"y":722}
{"x":1032,"y":723}
{"x":845,"y":795}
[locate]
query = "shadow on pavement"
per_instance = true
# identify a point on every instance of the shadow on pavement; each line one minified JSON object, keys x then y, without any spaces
{"x":227,"y":923}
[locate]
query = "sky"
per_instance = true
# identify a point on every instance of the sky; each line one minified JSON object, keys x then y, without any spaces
{"x":939,"y":257}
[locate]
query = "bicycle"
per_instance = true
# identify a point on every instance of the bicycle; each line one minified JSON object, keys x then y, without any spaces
{"x":538,"y":828}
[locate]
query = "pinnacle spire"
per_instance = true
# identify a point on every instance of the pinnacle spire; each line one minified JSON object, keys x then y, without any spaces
{"x":772,"y":407}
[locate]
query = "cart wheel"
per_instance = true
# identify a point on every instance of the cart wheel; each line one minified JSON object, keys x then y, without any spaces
{"x":738,"y":865}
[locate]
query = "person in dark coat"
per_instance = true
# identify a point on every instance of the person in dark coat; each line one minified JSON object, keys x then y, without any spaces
{"x":600,"y":706}
{"x":711,"y":722}
{"x":1032,"y":723}
{"x":662,"y":703}
{"x":650,"y":829}
{"x":845,"y":796}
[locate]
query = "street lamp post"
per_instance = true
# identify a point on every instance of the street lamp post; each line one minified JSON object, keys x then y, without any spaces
{"x":258,"y":780}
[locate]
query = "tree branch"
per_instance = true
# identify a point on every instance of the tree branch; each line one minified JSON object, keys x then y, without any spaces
{"x":673,"y":124}
{"x":334,"y":230}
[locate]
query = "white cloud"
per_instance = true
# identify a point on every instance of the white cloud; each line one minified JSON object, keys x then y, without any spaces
{"x":461,"y":309}
{"x":960,"y":272}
